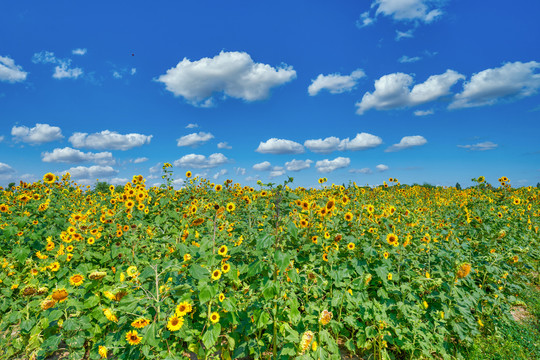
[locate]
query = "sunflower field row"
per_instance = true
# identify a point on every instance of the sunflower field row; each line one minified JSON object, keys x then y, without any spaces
{"x":230,"y":271}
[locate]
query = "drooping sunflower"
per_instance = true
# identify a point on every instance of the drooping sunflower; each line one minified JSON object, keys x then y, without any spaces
{"x":325,"y":317}
{"x":175,"y":323}
{"x":216,"y":274}
{"x":140,"y":323}
{"x":133,"y":338}
{"x":47,"y":304}
{"x":60,"y":295}
{"x":76,"y":280}
{"x":49,"y":178}
{"x":464,"y":270}
{"x":110,"y":315}
{"x":214,"y":317}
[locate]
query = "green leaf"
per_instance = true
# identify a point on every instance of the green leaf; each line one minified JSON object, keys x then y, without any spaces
{"x":210,"y":337}
{"x":198,"y":272}
{"x":206,"y":293}
{"x":146,"y":273}
{"x":75,"y":342}
{"x":263,"y":319}
{"x":269,"y":291}
{"x":51,"y":343}
{"x":21,"y":254}
{"x":27,"y":325}
{"x":228,"y":305}
{"x":70,"y":325}
{"x":264,"y":242}
{"x":282,"y":260}
{"x":288,"y":351}
{"x":371,"y":332}
{"x":150,"y":337}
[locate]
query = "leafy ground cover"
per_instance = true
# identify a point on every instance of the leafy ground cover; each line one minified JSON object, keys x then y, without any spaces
{"x":230,"y":271}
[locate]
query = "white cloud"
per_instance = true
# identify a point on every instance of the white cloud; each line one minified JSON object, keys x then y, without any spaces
{"x":39,"y":134}
{"x":63,"y":71}
{"x":200,"y":161}
{"x":233,"y":73}
{"x":191,"y":126}
{"x":407,"y":142}
{"x":109,"y":140}
{"x":117,"y":75}
{"x":224,"y":145}
{"x":361,"y":171}
{"x":277,"y":171}
{"x":392,"y":91}
{"x":365,"y":20}
{"x":406,"y":59}
{"x":2,"y":137}
{"x":252,"y":178}
{"x":140,"y":160}
{"x":79,"y":51}
{"x":423,"y":112}
{"x":5,"y":169}
{"x":10,"y":72}
{"x":381,"y":167}
{"x":133,"y":71}
{"x":155,"y":169}
{"x":512,"y":80}
{"x":220,"y":173}
{"x":335,"y":83}
{"x":118,"y":181}
{"x":194,"y":139}
{"x":263,"y":166}
{"x":362,"y":141}
{"x":91,"y":172}
{"x":326,"y":166}
{"x":407,"y":10}
{"x":72,"y":156}
{"x":297,"y":165}
{"x":483,"y":146}
{"x":279,"y":146}
{"x":404,"y":34}
{"x":240,"y":171}
{"x":44,"y":57}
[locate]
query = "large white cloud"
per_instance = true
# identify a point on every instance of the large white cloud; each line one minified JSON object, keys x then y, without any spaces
{"x":62,"y":69}
{"x":407,"y":142}
{"x":5,"y":169}
{"x":233,"y":73}
{"x":326,"y":166}
{"x":482,"y":146}
{"x":10,"y":72}
{"x":279,"y":146}
{"x":109,"y":140}
{"x":511,"y":80}
{"x":392,"y":91}
{"x":335,"y":83}
{"x":361,"y":141}
{"x":297,"y":165}
{"x":73,"y":156}
{"x":263,"y":166}
{"x":194,"y":139}
{"x":39,"y":134}
{"x":91,"y":172}
{"x":197,"y":161}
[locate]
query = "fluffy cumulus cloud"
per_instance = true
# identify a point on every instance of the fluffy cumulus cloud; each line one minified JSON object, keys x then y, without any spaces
{"x":482,"y":146}
{"x":361,"y":141}
{"x":234,"y":74}
{"x":326,"y":166}
{"x":406,"y":10}
{"x":108,"y":140}
{"x":393,"y":91}
{"x":276,"y":171}
{"x":62,"y":69}
{"x":194,"y":139}
{"x":407,"y":142}
{"x":73,"y":156}
{"x":5,"y":169}
{"x":224,"y":145}
{"x":512,"y":80}
{"x":91,"y":172}
{"x":10,"y":72}
{"x":263,"y":166}
{"x":297,"y":165}
{"x":382,"y":167}
{"x":279,"y":146}
{"x":197,"y":161}
{"x":335,"y":83}
{"x":39,"y":134}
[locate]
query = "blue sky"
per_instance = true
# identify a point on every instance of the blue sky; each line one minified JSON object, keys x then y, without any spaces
{"x":422,"y":90}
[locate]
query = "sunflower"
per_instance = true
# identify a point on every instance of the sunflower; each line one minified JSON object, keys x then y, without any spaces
{"x":314,"y":239}
{"x":348,"y":216}
{"x":183,"y":308}
{"x":218,"y":188}
{"x":330,"y":205}
{"x":350,"y":246}
{"x":60,"y":295}
{"x":231,"y":207}
{"x":325,"y":317}
{"x":76,"y":280}
{"x":188,"y":174}
{"x":325,"y":257}
{"x":223,"y":250}
{"x":392,"y":239}
{"x":386,"y":254}
{"x":389,"y":276}
{"x":110,"y":315}
{"x":91,"y":240}
{"x":133,"y":338}
{"x":97,"y":275}
{"x":307,"y":337}
{"x":4,"y":208}
{"x":216,"y":274}
{"x":55,"y":266}
{"x":47,"y":304}
{"x":102,"y":352}
{"x":214,"y":317}
{"x":140,"y":323}
{"x":49,"y":178}
{"x":463,"y":270}
{"x":175,"y":323}
{"x":132,"y":271}
{"x":221,"y":297}
{"x":225,"y":268}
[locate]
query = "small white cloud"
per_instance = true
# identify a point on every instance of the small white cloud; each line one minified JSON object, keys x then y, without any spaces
{"x":140,"y":160}
{"x":109,"y":140}
{"x":252,"y":178}
{"x":118,"y":181}
{"x":297,"y":165}
{"x":423,"y":112}
{"x":512,"y":80}
{"x":361,"y":171}
{"x":5,"y":169}
{"x":240,"y":171}
{"x":9,"y":72}
{"x":392,"y":91}
{"x":91,"y":173}
{"x":200,"y":161}
{"x":191,"y":126}
{"x":73,"y":156}
{"x":44,"y":57}
{"x":326,"y":166}
{"x":335,"y":83}
{"x":407,"y":142}
{"x":263,"y":166}
{"x":117,"y":75}
{"x":220,"y":173}
{"x":362,"y":141}
{"x":406,"y":59}
{"x":279,"y":146}
{"x":39,"y":134}
{"x":408,"y":10}
{"x":2,"y":137}
{"x":381,"y":167}
{"x":224,"y":145}
{"x":404,"y":34}
{"x":155,"y":169}
{"x":63,"y":71}
{"x":194,"y":139}
{"x":79,"y":52}
{"x":277,"y":171}
{"x":365,"y":20}
{"x":133,"y":71}
{"x":483,"y":146}
{"x":234,"y":74}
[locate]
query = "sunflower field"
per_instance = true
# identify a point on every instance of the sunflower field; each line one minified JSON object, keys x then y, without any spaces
{"x":228,"y":271}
